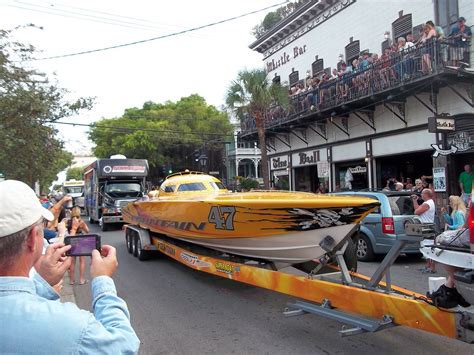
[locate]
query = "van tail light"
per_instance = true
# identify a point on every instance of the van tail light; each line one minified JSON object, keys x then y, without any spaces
{"x":471,"y":226}
{"x":388,"y":227}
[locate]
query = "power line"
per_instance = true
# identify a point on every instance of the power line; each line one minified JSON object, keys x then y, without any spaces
{"x":109,"y":14}
{"x":83,"y":16}
{"x":160,"y":37}
{"x":121,"y":129}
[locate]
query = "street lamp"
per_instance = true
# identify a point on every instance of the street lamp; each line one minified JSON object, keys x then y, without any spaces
{"x":203,"y":161}
{"x":386,"y":35}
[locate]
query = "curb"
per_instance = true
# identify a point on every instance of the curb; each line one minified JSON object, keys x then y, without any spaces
{"x":67,"y":293}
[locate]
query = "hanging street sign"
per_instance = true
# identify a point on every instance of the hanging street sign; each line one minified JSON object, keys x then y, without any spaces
{"x":438,"y":151}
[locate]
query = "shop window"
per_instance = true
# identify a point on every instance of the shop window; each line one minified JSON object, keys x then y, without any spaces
{"x":317,"y":66}
{"x":352,"y":51}
{"x":276,"y":79}
{"x":294,"y":77}
{"x":402,"y":26}
{"x":447,"y":13}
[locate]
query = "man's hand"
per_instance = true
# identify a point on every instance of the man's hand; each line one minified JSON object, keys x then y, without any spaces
{"x":53,"y":264}
{"x":104,"y":265}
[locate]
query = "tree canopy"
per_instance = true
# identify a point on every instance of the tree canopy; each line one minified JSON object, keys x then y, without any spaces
{"x":29,"y":103}
{"x":75,"y":173}
{"x":171,"y":135}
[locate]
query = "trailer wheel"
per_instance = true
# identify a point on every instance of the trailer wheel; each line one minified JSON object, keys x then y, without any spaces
{"x":128,"y":240}
{"x":133,"y":242}
{"x":140,"y":253}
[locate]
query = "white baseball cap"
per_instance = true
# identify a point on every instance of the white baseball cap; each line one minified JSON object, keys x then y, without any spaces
{"x":19,"y":207}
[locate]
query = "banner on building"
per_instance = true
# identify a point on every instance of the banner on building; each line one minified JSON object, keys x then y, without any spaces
{"x":323,"y":169}
{"x":439,"y":179}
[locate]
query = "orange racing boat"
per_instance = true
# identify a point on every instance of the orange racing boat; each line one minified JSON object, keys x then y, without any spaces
{"x":277,"y":226}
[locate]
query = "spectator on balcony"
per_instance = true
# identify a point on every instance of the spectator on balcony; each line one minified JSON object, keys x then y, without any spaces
{"x":404,"y":48}
{"x":308,"y":100}
{"x":385,"y":67}
{"x":438,"y":29}
{"x":461,"y":35}
{"x":429,"y":33}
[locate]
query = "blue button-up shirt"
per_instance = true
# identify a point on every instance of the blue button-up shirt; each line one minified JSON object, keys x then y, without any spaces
{"x":33,"y":320}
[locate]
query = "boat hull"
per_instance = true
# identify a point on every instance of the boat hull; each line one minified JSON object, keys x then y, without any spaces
{"x":283,"y":227}
{"x":291,"y":248}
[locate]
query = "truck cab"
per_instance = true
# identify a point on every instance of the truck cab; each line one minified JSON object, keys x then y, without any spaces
{"x":111,"y":184}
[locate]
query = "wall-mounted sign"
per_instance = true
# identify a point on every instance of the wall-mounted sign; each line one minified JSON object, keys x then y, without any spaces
{"x":358,"y":170}
{"x":439,"y":179}
{"x":323,"y":169}
{"x":441,"y":124}
{"x":280,"y":162}
{"x":462,"y":140}
{"x":285,"y":58}
{"x":310,"y":157}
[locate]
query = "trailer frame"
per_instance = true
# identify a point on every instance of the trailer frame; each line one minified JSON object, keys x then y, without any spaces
{"x":366,"y":304}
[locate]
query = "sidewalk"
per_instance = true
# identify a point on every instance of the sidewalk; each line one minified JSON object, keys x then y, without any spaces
{"x":67,"y":293}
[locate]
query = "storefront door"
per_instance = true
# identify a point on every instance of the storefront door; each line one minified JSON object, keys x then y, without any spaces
{"x":306,"y":178}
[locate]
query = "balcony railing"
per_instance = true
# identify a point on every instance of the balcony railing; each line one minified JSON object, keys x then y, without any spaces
{"x":387,"y":73}
{"x":244,"y":151}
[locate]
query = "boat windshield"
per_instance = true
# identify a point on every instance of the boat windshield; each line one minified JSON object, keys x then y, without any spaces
{"x":195,"y":186}
{"x":217,"y":185}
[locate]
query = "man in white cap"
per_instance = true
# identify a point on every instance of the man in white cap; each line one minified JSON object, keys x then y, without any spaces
{"x":32,"y":320}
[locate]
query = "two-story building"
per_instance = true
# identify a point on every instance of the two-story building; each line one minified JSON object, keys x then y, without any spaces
{"x":357,"y":129}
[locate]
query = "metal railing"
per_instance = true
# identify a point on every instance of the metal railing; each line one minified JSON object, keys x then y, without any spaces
{"x":389,"y":72}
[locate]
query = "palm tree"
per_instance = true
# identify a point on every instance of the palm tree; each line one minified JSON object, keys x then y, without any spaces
{"x":251,"y":94}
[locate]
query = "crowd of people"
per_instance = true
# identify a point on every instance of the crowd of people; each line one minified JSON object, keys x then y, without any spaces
{"x":31,"y":276}
{"x":405,"y":60}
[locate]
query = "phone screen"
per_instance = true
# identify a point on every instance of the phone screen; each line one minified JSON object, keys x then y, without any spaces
{"x":82,"y":245}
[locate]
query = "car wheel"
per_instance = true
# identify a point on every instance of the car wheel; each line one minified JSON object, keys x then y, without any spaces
{"x":350,"y":256}
{"x":104,"y":227}
{"x":365,"y":251}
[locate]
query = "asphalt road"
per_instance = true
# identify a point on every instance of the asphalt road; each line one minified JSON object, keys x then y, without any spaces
{"x":177,"y":310}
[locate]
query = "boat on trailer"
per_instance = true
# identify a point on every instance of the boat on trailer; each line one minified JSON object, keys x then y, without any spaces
{"x":278,"y":226}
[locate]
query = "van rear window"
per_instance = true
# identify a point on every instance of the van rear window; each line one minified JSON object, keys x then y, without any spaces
{"x":401,"y":205}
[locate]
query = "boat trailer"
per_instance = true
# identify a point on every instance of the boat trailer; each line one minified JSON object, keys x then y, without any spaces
{"x":364,"y":304}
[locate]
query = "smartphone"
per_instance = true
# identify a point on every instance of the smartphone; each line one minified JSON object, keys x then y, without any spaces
{"x":82,"y":245}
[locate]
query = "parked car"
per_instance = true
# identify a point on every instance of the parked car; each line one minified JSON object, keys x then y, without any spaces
{"x":379,"y":229}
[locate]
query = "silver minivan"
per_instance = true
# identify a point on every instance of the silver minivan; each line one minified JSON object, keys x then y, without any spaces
{"x":379,"y":229}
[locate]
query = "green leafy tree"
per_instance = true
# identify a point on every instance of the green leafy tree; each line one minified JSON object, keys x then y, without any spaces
{"x":29,"y":103}
{"x":170,"y":135}
{"x":251,"y":94}
{"x":75,"y":173}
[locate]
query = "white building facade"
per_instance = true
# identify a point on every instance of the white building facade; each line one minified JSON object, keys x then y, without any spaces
{"x":379,"y":128}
